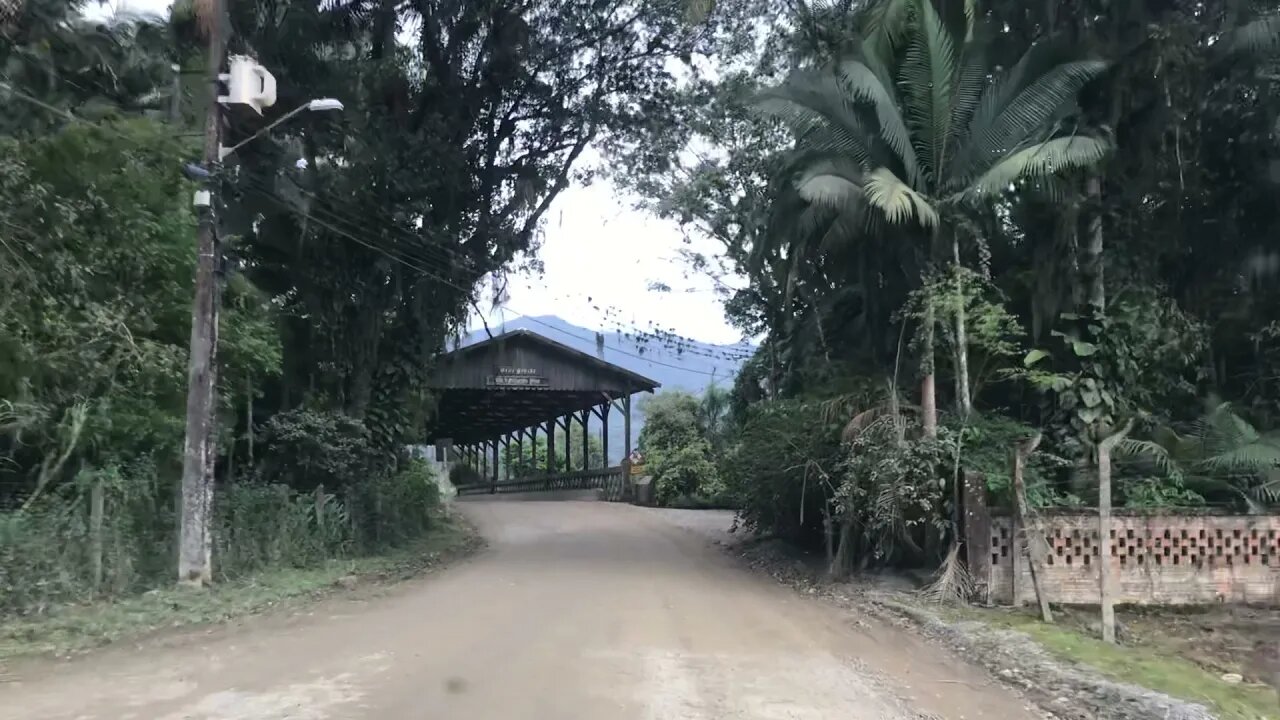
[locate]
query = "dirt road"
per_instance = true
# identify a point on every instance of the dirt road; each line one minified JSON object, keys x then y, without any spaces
{"x":577,"y":610}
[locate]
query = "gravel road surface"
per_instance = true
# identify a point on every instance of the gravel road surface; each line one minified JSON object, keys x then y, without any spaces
{"x":577,"y":610}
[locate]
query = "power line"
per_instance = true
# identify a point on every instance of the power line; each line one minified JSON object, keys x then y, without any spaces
{"x":73,"y":118}
{"x":339,"y":231}
{"x":678,"y":345}
{"x":443,"y":254}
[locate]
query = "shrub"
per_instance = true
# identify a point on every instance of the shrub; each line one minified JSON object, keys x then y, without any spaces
{"x":683,"y":471}
{"x":779,"y":472}
{"x":393,"y":509}
{"x":258,"y":526}
{"x":894,"y":492}
{"x":307,"y":448}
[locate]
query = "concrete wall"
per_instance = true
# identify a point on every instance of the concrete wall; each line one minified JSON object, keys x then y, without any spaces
{"x":1158,"y":559}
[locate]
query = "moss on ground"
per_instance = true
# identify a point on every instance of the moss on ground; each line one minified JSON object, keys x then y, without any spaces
{"x":1143,"y":663}
{"x":71,"y":629}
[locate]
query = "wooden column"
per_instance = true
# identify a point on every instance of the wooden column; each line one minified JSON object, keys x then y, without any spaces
{"x":626,"y":430}
{"x":483,"y":449}
{"x":519,"y":448}
{"x":605,"y":411}
{"x":551,"y":446}
{"x":568,"y":443}
{"x":586,"y":440}
{"x":494,"y":486}
{"x":533,"y":447}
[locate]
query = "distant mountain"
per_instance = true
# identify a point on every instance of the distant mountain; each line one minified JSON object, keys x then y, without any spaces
{"x":674,"y":365}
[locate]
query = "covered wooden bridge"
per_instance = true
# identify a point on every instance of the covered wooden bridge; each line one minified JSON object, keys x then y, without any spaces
{"x":495,"y":395}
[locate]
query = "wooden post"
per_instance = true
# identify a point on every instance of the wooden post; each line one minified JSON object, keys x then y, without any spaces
{"x":533,"y":449}
{"x":551,"y":447}
{"x":605,"y":411}
{"x":626,"y":447}
{"x":320,"y":506}
{"x":519,"y":450}
{"x":248,"y":422}
{"x":568,"y":442}
{"x":97,"y":509}
{"x":586,"y":440}
{"x":494,"y":486}
{"x":1034,"y":532}
{"x":1106,"y":574}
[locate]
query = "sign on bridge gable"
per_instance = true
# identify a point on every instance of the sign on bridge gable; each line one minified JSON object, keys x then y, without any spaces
{"x":516,"y":378}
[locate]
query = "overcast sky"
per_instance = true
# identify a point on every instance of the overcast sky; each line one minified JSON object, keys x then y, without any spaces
{"x":596,"y":247}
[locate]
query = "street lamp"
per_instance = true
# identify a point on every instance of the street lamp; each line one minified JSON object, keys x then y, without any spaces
{"x":317,"y":105}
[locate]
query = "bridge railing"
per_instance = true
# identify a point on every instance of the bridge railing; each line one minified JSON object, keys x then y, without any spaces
{"x":608,"y":479}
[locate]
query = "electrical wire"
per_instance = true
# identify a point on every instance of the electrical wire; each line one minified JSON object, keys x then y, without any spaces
{"x":284,"y":203}
{"x":271,"y":195}
{"x":353,"y":225}
{"x":443,"y":252}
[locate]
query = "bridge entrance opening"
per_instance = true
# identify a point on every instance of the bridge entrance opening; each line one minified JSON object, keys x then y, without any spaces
{"x":513,"y":388}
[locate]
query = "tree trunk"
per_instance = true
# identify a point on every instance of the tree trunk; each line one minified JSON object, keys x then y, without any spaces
{"x":928,"y":389}
{"x":1091,"y":268}
{"x":1036,"y":546}
{"x":963,"y":401}
{"x":1106,"y":579}
{"x":97,"y":509}
{"x":248,"y":422}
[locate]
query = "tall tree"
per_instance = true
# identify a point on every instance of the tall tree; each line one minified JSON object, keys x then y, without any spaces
{"x":918,"y":128}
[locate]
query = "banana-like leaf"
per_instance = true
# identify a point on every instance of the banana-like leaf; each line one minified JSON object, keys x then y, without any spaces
{"x":898,"y":201}
{"x":1046,"y":158}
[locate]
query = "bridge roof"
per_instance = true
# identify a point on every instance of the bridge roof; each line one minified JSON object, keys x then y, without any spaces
{"x":517,"y":380}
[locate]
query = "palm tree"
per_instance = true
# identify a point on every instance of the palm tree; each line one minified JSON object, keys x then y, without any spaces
{"x":916,"y":129}
{"x":1221,"y":452}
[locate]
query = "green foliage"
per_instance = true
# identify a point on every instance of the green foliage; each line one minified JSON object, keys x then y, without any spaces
{"x":894,"y":493}
{"x":45,"y":550}
{"x":392,"y":509}
{"x":677,"y":452}
{"x":987,"y":442}
{"x":1221,"y":455}
{"x":309,"y":448}
{"x":781,"y":470}
{"x":520,"y":459}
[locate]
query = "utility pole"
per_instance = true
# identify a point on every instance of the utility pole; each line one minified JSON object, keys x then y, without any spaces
{"x":195,"y":542}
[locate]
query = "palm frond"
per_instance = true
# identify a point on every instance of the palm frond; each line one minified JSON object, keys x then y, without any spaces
{"x":887,"y":25}
{"x":952,"y":584}
{"x":1010,"y":119}
{"x":1259,"y":37}
{"x":928,"y":71}
{"x":899,"y":202}
{"x":1046,"y":158}
{"x":815,"y":107}
{"x":866,"y":84}
{"x":972,"y":79}
{"x":828,"y":188}
{"x":1146,"y":449}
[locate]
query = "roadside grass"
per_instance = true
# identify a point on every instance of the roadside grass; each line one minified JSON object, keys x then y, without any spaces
{"x":68,"y":630}
{"x":1149,"y":662}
